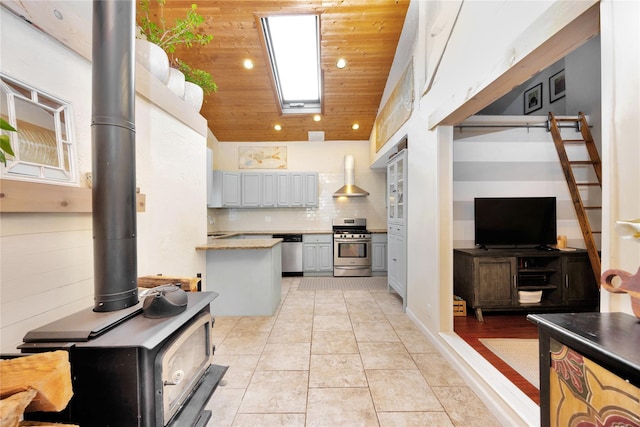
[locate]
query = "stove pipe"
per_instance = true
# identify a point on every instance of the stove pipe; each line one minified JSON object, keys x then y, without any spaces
{"x":113,"y":161}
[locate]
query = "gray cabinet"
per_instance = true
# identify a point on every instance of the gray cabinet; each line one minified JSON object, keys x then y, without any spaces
{"x":283,"y":181}
{"x":317,"y":255}
{"x":226,"y":189}
{"x":493,"y":279}
{"x":378,"y":253}
{"x":397,"y":188}
{"x":397,"y":261}
{"x":311,"y":189}
{"x":262,"y":190}
{"x":251,"y":189}
{"x":268,"y":195}
{"x":296,"y":189}
{"x":396,"y":222}
{"x":210,"y":188}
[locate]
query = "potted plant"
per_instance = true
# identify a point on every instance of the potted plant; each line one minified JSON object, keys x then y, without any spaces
{"x":168,"y":38}
{"x":5,"y":142}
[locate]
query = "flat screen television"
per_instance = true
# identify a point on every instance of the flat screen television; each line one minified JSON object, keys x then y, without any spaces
{"x":515,"y":221}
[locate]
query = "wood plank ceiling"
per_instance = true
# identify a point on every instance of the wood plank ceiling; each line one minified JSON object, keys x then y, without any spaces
{"x":245,"y":108}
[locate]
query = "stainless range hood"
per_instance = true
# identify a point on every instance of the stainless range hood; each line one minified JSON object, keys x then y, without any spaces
{"x":350,"y":189}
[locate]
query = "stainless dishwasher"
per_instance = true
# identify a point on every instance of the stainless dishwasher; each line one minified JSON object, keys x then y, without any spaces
{"x":291,"y":254}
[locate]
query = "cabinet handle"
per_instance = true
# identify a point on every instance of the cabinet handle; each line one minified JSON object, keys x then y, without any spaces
{"x":515,"y":280}
{"x":566,"y":281}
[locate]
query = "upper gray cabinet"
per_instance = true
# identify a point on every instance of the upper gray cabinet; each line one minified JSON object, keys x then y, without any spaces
{"x":251,"y":189}
{"x":311,"y":189}
{"x":269,"y":193}
{"x":225,"y":190}
{"x":396,"y":188}
{"x":264,"y":189}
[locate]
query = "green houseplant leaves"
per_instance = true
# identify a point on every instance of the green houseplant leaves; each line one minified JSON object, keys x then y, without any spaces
{"x":183,"y":32}
{"x":5,"y":142}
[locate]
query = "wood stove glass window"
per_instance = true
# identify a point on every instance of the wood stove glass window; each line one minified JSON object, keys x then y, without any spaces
{"x":43,"y":144}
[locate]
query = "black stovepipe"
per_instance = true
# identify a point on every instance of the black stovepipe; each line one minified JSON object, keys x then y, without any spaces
{"x":113,"y":155}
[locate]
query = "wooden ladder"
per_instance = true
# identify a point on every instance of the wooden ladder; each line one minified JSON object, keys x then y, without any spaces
{"x":574,"y":187}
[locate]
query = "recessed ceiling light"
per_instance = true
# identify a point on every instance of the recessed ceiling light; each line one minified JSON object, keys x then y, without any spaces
{"x":355,"y":126}
{"x":277,"y":127}
{"x":248,"y":64}
{"x":317,"y":118}
{"x":341,"y":63}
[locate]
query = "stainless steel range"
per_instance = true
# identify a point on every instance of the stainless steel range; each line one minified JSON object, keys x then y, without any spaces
{"x":351,"y":247}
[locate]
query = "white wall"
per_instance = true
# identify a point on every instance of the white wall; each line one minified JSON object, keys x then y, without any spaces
{"x":46,"y":261}
{"x":326,"y":158}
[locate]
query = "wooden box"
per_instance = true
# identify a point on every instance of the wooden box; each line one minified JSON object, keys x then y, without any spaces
{"x":459,"y":307}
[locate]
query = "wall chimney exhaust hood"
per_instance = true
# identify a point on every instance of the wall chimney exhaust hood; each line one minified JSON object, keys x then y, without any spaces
{"x":350,"y":189}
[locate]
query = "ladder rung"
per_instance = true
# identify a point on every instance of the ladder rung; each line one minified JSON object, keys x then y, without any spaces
{"x":574,"y":141}
{"x":582,"y":162}
{"x":592,"y":207}
{"x":596,"y":232}
{"x":568,"y":119}
{"x":588,"y":183}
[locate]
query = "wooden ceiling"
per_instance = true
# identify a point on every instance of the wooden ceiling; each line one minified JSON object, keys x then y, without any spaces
{"x":245,"y":108}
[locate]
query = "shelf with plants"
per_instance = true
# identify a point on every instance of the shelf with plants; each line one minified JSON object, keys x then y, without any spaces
{"x":188,"y":82}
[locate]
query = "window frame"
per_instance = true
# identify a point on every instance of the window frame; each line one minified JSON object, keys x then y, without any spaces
{"x":293,"y":106}
{"x":66,"y":173}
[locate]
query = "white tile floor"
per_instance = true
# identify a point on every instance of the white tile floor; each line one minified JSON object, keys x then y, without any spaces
{"x":336,"y":358}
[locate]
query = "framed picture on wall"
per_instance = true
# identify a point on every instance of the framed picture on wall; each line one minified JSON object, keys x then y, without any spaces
{"x":556,"y":86}
{"x":533,"y":99}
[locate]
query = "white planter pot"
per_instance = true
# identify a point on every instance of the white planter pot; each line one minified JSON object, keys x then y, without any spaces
{"x":176,"y":82}
{"x":193,"y":95}
{"x":153,"y":58}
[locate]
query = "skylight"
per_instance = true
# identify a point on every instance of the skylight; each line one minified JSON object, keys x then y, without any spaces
{"x":293,"y":44}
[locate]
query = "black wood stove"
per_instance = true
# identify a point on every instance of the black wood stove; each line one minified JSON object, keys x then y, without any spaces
{"x":131,"y":370}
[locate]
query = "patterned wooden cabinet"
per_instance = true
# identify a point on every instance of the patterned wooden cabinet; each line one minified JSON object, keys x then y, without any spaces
{"x":589,"y":369}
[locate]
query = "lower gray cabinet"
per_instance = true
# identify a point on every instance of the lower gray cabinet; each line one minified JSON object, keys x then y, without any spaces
{"x":397,"y":261}
{"x":378,"y":253}
{"x":317,"y":255}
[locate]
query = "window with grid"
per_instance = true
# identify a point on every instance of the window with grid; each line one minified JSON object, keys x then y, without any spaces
{"x":43,"y":144}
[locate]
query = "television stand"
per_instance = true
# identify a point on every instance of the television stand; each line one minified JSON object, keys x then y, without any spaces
{"x":498,"y":280}
{"x":546,"y":248}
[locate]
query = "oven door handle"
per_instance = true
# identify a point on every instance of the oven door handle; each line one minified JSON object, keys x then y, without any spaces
{"x":352,"y":240}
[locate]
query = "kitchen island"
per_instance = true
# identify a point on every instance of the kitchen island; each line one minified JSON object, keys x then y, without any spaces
{"x":246,"y":273}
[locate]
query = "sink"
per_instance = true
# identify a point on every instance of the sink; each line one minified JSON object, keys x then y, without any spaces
{"x":217,"y":235}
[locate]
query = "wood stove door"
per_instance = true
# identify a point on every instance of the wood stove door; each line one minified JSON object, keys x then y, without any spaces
{"x":182,"y":363}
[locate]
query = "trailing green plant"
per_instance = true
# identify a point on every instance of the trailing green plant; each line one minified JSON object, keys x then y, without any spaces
{"x":183,"y":32}
{"x":5,"y":142}
{"x":197,"y":76}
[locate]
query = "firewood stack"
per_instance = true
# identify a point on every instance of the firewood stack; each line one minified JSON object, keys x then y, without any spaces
{"x":39,"y":382}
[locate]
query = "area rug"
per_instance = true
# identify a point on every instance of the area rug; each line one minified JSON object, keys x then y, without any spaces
{"x":342,"y":283}
{"x":521,"y":354}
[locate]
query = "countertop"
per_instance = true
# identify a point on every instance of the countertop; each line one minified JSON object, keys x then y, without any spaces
{"x":228,"y":234}
{"x":226,"y":244}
